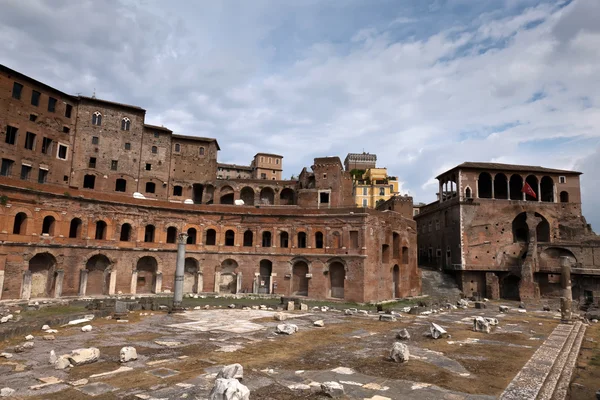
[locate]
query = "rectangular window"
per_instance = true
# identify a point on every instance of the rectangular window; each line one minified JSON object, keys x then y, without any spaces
{"x":33,"y":117}
{"x":68,"y":110}
{"x":148,"y":167}
{"x":156,"y":134}
{"x":382,"y":191}
{"x":354,"y":239}
{"x":324,"y":176}
{"x":365,"y":191}
{"x":62,"y":152}
{"x":42,"y":176}
{"x":562,"y":179}
{"x":17,"y":89}
{"x":127,"y":146}
{"x":114,"y":164}
{"x":30,"y":141}
{"x":46,"y":145}
{"x":25,"y":172}
{"x":95,"y":140}
{"x":263,"y":176}
{"x":277,"y":161}
{"x":35,"y":98}
{"x":6,"y":167}
{"x":11,"y":134}
{"x":51,"y":104}
{"x":66,"y":129}
{"x":92,"y":163}
{"x":365,"y":203}
{"x":324,"y":198}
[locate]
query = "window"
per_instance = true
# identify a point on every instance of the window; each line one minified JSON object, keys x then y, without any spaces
{"x":354,"y":239}
{"x":562,"y":179}
{"x":6,"y":167}
{"x":248,"y":238}
{"x":92,"y":163}
{"x":438,"y":253}
{"x":51,"y":104}
{"x":191,"y":236}
{"x":127,"y":146}
{"x":125,"y":233}
{"x":148,"y":167}
{"x":25,"y":172}
{"x":468,"y":193}
{"x":120,"y":185}
{"x":20,"y":225}
{"x":437,"y":224}
{"x":30,"y":141}
{"x":211,"y":237}
{"x":177,"y":147}
{"x":229,"y":238}
{"x":284,"y":239}
{"x":114,"y":164}
{"x":48,"y":225}
{"x":171,"y":234}
{"x":11,"y":134}
{"x":125,"y":124}
{"x":266,"y":239}
{"x":324,"y":197}
{"x":263,"y":176}
{"x":68,"y":110}
{"x":35,"y":98}
{"x":100,"y":230}
{"x":277,"y":161}
{"x":17,"y":89}
{"x":150,"y":187}
{"x":97,"y":119}
{"x":149,"y":234}
{"x":429,"y":226}
{"x":65,"y":178}
{"x":365,"y":191}
{"x":365,"y":203}
{"x":177,"y":191}
{"x":382,"y":191}
{"x":201,"y":151}
{"x":42,"y":175}
{"x":75,"y":228}
{"x":33,"y":117}
{"x":95,"y":140}
{"x":46,"y":145}
{"x":301,"y":240}
{"x":154,"y":149}
{"x":324,"y":176}
{"x":319,"y":240}
{"x":89,"y":181}
{"x":156,"y":134}
{"x":66,"y":129}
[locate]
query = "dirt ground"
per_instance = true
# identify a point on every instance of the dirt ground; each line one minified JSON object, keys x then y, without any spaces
{"x":586,"y":377}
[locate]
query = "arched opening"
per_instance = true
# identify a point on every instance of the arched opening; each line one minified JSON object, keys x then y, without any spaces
{"x":542,"y":230}
{"x":48,"y":225}
{"x":267,"y":196}
{"x":197,"y":192}
{"x":319,"y":240}
{"x":468,"y":194}
{"x":229,"y":238}
{"x":98,"y":277}
{"x":284,"y":239}
{"x":516,"y":187}
{"x":226,"y":195}
{"x":89,"y":181}
{"x":100,"y":230}
{"x":228,"y":279}
{"x":20,"y":224}
{"x":299,"y":279}
{"x":547,"y":189}
{"x":178,"y":191}
{"x":564,"y":197}
{"x":520,"y":229}
{"x":209,"y":194}
{"x":147,"y":268}
{"x":533,"y":183}
{"x":125,"y":235}
{"x":509,"y":288}
{"x":191,"y":235}
{"x":550,"y":258}
{"x":75,"y":228}
{"x":149,"y":234}
{"x":395,"y":245}
{"x":301,"y":240}
{"x":120,"y":185}
{"x":286,"y":197}
{"x":485,"y":185}
{"x":404,"y":255}
{"x":266,"y":239}
{"x":247,"y":195}
{"x":42,"y":267}
{"x":336,"y":240}
{"x":265,"y":270}
{"x":171,"y":234}
{"x":337,"y":275}
{"x":248,"y":238}
{"x":396,"y":281}
{"x":211,"y":237}
{"x":500,"y":187}
{"x":190,"y":276}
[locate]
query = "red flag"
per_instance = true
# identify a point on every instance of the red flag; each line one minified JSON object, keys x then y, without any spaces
{"x":528,"y":190}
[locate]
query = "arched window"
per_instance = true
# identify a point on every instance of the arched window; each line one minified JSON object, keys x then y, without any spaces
{"x":248,"y":238}
{"x":125,"y":233}
{"x":154,"y":149}
{"x":20,"y":225}
{"x":100,"y":230}
{"x":201,"y":151}
{"x":532,"y":181}
{"x":468,"y":193}
{"x":125,"y":124}
{"x":501,"y":187}
{"x":211,"y":237}
{"x":319,"y":240}
{"x":229,"y":238}
{"x":48,"y":225}
{"x":149,"y":234}
{"x":485,"y":186}
{"x":171,"y":234}
{"x":284,"y":239}
{"x":75,"y":228}
{"x":404,"y":255}
{"x":120,"y":185}
{"x":564,"y":197}
{"x":97,"y":119}
{"x":150,"y":187}
{"x":301,"y":240}
{"x":547,"y":189}
{"x":516,"y":187}
{"x":177,"y":147}
{"x":177,"y":191}
{"x":520,"y":229}
{"x":191,"y":236}
{"x":266,"y":239}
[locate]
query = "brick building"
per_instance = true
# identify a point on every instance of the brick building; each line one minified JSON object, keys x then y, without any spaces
{"x":92,"y":200}
{"x":500,"y":242}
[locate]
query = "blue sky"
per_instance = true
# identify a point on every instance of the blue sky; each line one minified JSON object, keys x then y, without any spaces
{"x":424,"y":84}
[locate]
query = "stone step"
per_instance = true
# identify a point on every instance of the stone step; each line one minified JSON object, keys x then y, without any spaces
{"x":529,"y":381}
{"x":562,"y":388}
{"x":547,"y":390}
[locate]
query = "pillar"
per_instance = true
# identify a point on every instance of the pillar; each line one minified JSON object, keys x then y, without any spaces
{"x":158,"y":283}
{"x":566,"y":301}
{"x":256,"y":282}
{"x":26,"y":285}
{"x":199,"y":282}
{"x":217,"y":281}
{"x":493,"y":188}
{"x":477,"y":187}
{"x":1,"y":283}
{"x":112,"y":282}
{"x":179,"y":270}
{"x":492,"y":286}
{"x":58,"y":283}
{"x":133,"y":286}
{"x":83,"y":277}
{"x":271,"y":280}
{"x":238,"y":287}
{"x":508,"y":187}
{"x":539,"y":192}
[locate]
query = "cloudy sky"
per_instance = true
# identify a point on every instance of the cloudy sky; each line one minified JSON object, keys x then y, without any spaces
{"x":423,"y":84}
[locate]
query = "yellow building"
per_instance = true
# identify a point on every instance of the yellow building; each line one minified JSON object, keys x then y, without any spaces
{"x":373,"y":186}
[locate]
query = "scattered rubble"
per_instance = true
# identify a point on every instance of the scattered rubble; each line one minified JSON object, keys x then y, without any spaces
{"x":86,"y":328}
{"x":436,"y":331}
{"x":503,"y":309}
{"x":280,"y":317}
{"x":319,"y":323}
{"x":481,"y":325}
{"x":403,"y":334}
{"x":232,"y":371}
{"x":332,"y":389}
{"x":127,"y":353}
{"x":399,"y":353}
{"x":387,"y":318}
{"x":84,"y":356}
{"x":6,"y":392}
{"x":29,"y":337}
{"x":288,"y":329}
{"x":229,"y":389}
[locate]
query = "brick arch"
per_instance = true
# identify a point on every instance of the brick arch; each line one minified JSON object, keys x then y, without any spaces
{"x":10,"y":220}
{"x":112,"y":259}
{"x":159,"y":262}
{"x":298,"y":259}
{"x":59,"y":257}
{"x":333,"y":260}
{"x":15,"y":210}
